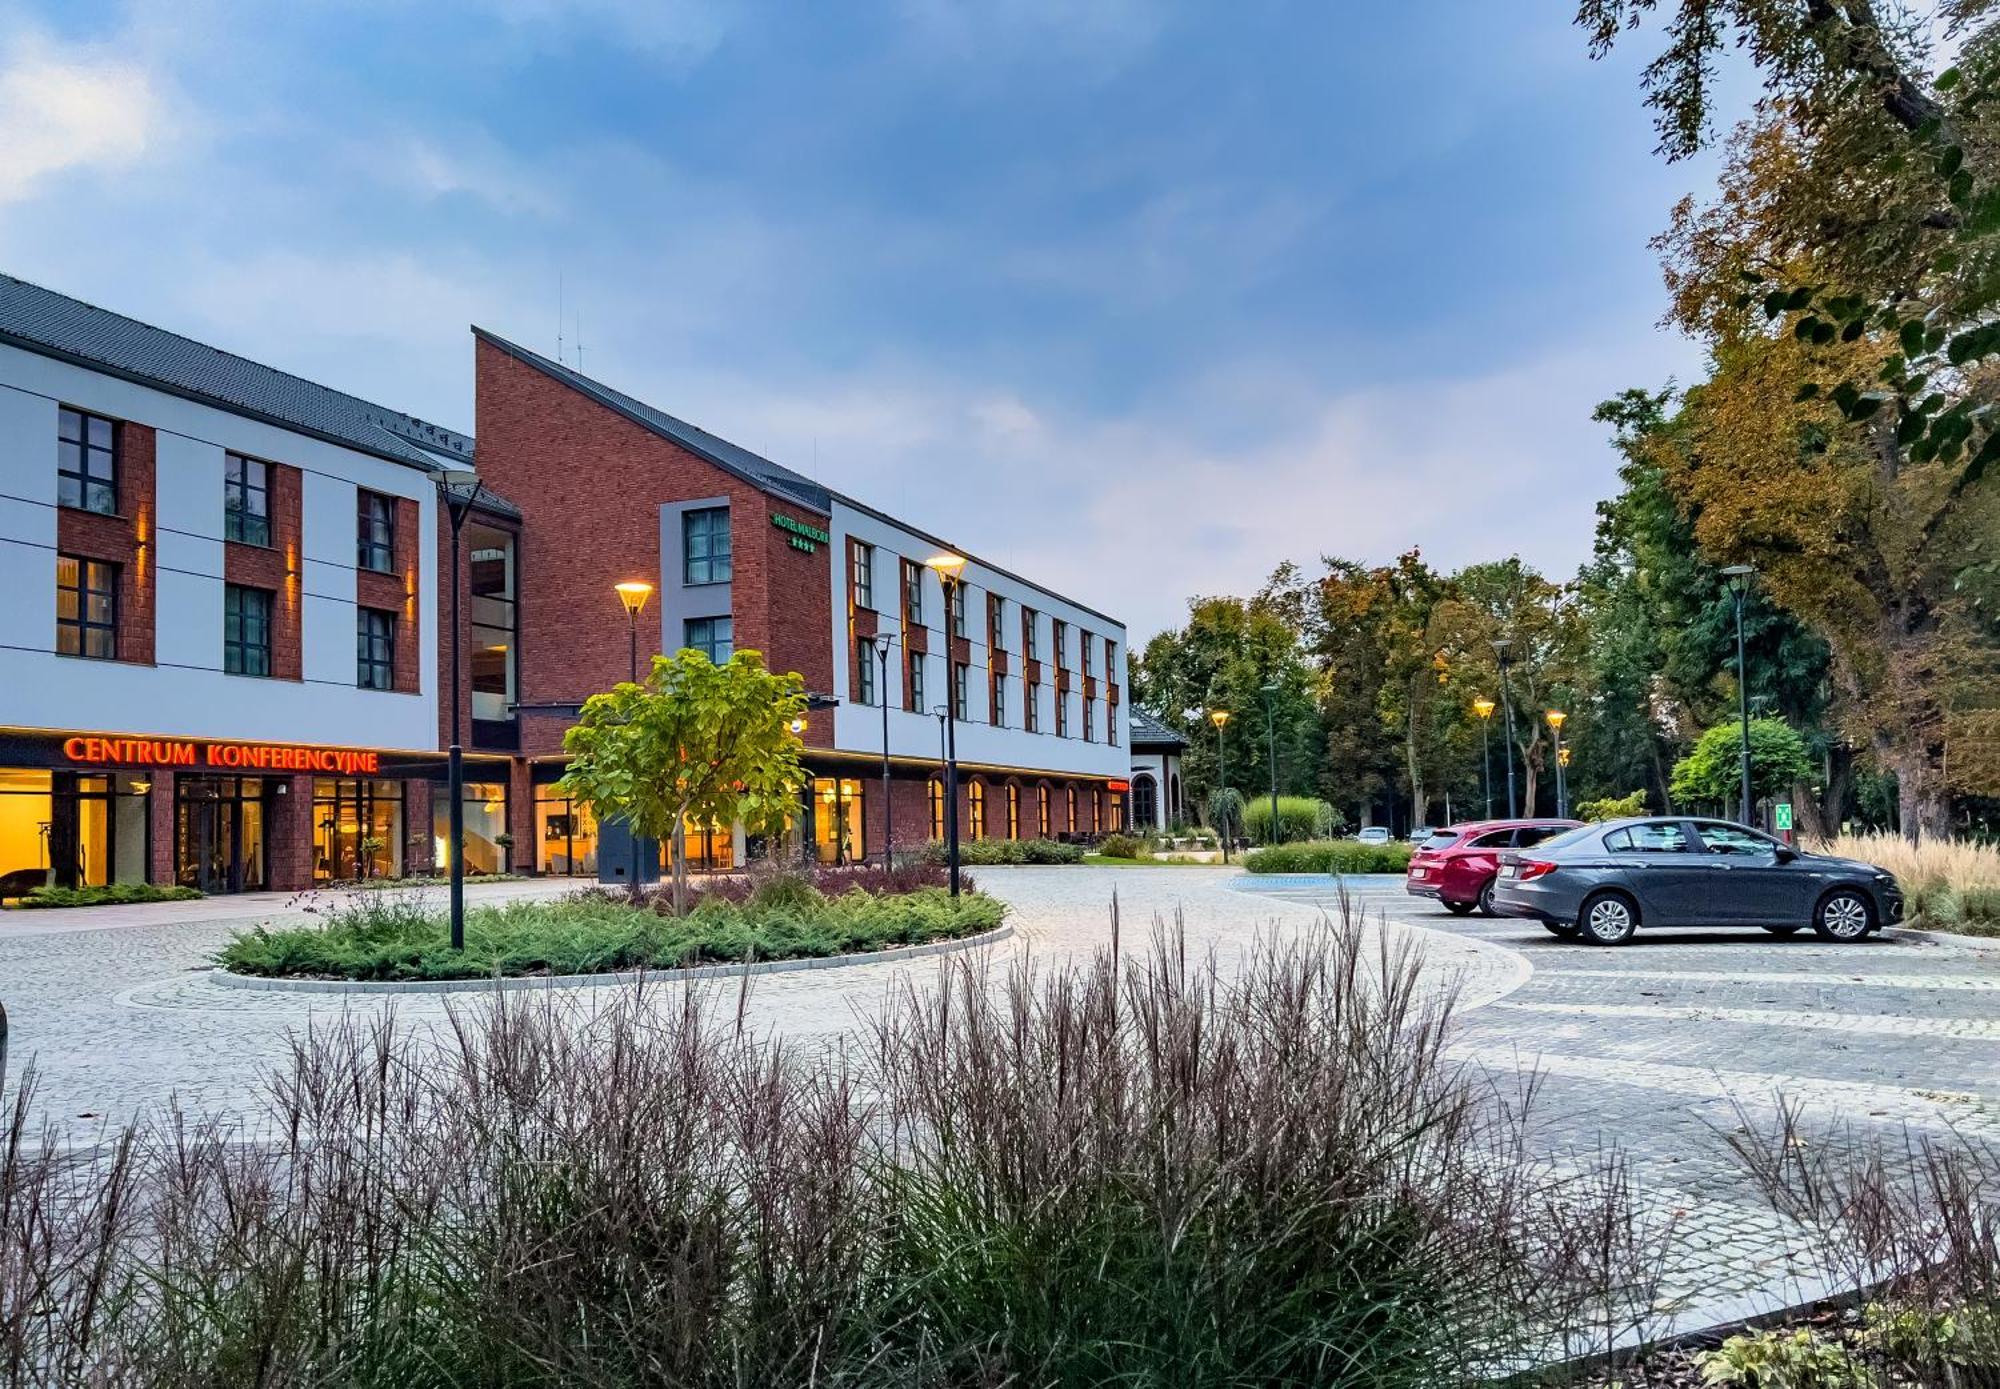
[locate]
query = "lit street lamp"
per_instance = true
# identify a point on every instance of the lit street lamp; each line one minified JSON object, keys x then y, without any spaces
{"x":1555,"y":718}
{"x":1739,"y":576}
{"x":1220,"y":718}
{"x":1507,"y":705}
{"x":458,"y":489}
{"x":950,"y":569}
{"x":1269,"y":692}
{"x":1484,"y":707}
{"x":633,"y":593}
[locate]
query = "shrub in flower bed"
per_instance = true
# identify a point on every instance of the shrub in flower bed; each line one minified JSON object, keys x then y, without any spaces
{"x":1123,"y":846}
{"x":386,"y":935}
{"x":1329,"y":856}
{"x":993,"y":853}
{"x":114,"y":895}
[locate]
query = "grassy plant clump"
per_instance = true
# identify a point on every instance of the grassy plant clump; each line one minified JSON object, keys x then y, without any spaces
{"x":994,"y":853}
{"x":1123,"y":846}
{"x":1299,"y":818}
{"x":1145,"y":1170}
{"x":1948,"y":884}
{"x":1329,"y":856}
{"x":114,"y":895}
{"x":387,"y":936}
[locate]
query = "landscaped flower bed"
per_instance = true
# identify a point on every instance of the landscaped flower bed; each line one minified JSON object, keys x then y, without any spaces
{"x":994,"y":853}
{"x":1329,"y":856}
{"x":115,"y":895}
{"x":391,"y":936}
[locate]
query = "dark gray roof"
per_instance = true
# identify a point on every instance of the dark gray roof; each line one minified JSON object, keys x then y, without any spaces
{"x":54,"y":325}
{"x":1149,"y":732}
{"x":755,"y":469}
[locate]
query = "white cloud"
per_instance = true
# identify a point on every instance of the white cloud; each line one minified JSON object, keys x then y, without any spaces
{"x":64,"y":109}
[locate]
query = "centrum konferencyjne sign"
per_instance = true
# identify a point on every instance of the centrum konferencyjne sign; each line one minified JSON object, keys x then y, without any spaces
{"x":235,"y":757}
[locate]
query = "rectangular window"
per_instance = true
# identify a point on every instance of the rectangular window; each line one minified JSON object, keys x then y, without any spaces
{"x":1031,"y":645}
{"x":1083,"y":644}
{"x":705,"y":546}
{"x":961,"y":675}
{"x":1111,"y":724}
{"x":1110,"y":659}
{"x":864,"y":575}
{"x":1089,"y":720}
{"x":1031,"y":710}
{"x":913,"y":688}
{"x":958,"y":610}
{"x":86,"y":462}
{"x":999,"y":710}
{"x":86,"y":608}
{"x":1062,"y":714}
{"x":246,"y":630}
{"x":837,"y":820}
{"x":375,"y":533}
{"x":1058,"y":639}
{"x":375,"y":649}
{"x":864,"y":670}
{"x":996,"y":613}
{"x":246,"y":500}
{"x":913,"y":594}
{"x":714,"y":637}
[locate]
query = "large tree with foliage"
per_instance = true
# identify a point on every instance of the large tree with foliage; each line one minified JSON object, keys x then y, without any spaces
{"x":1847,"y":283}
{"x":695,"y":741}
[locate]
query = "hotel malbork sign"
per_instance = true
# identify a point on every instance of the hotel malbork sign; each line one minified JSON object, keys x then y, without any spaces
{"x":235,"y":757}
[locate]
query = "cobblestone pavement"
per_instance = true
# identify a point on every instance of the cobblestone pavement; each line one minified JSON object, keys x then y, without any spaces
{"x":1666,"y":1045}
{"x":1661,"y":1047}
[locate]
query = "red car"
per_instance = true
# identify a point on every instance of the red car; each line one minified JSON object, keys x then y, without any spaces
{"x":1457,"y":865}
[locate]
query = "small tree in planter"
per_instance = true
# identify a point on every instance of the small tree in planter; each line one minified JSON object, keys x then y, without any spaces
{"x":695,"y":740}
{"x":506,"y":843}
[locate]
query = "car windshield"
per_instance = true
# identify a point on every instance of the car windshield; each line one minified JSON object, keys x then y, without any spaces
{"x":1567,"y":837}
{"x":1441,"y":839}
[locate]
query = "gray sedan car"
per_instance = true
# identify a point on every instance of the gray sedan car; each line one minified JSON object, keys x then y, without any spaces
{"x":1603,"y":882}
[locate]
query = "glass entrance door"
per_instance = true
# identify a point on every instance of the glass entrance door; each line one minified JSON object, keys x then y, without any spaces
{"x":219,"y":833}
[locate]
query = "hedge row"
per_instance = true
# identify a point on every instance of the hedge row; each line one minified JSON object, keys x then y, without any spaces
{"x":1330,"y":856}
{"x":994,"y":853}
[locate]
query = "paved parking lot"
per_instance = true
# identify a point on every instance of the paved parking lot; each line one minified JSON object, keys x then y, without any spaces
{"x":1660,"y":1046}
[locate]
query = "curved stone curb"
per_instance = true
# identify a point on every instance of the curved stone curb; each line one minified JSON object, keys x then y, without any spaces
{"x":1926,"y":937}
{"x":598,"y":981}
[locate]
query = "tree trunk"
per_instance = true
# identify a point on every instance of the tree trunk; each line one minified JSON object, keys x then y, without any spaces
{"x":1660,"y":773}
{"x":1420,"y":801}
{"x":1923,"y":803}
{"x":679,"y":841}
{"x":1530,"y":766}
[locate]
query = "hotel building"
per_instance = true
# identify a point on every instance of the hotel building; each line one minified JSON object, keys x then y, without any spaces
{"x":220,"y":653}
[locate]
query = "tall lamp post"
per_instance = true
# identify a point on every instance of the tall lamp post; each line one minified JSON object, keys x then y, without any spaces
{"x":950,"y":569}
{"x":884,"y":641}
{"x":1220,"y":718}
{"x":458,"y":489}
{"x":633,"y":593}
{"x":1739,"y":576}
{"x":1555,"y":718}
{"x":1507,"y":705}
{"x":1270,"y":692}
{"x":1484,"y":707}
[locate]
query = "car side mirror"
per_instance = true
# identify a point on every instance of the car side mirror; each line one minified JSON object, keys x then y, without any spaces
{"x":1785,"y":855}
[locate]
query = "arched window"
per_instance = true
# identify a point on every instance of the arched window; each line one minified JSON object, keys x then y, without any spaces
{"x":1013,"y":811}
{"x":1070,"y":827}
{"x":1145,"y":802}
{"x":975,"y":795}
{"x":1042,"y":810}
{"x":937,"y":808}
{"x":1174,"y":807}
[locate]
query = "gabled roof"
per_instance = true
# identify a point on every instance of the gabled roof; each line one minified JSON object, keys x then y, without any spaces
{"x":54,"y":325}
{"x":1148,"y":732}
{"x":752,"y":468}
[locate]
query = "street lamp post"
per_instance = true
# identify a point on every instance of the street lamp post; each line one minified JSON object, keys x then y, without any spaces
{"x":1269,"y":692}
{"x":633,"y":593}
{"x":1739,"y":576}
{"x":883,"y":641}
{"x":1507,"y":705}
{"x":458,"y":489}
{"x":1555,"y":718}
{"x":1484,"y":707}
{"x":1220,"y":718}
{"x":950,"y":569}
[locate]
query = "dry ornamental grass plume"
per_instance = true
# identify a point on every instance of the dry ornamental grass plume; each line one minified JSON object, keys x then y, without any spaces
{"x":1145,"y":1170}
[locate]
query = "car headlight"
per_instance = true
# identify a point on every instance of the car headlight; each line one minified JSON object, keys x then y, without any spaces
{"x":1886,"y":879}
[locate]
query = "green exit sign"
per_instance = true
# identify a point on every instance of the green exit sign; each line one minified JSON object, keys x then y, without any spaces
{"x":1783,"y":813}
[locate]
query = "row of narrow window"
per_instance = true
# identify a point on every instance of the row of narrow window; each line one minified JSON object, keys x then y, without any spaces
{"x":865,"y":659}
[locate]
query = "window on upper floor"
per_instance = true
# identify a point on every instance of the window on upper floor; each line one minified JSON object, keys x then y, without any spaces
{"x":375,"y":649}
{"x":999,"y":709}
{"x":958,"y":609}
{"x":864,"y":575}
{"x":375,"y":532}
{"x":714,"y":637}
{"x":913,"y":593}
{"x":961,"y":679}
{"x":913,"y":684}
{"x":246,"y":630}
{"x":86,"y":608}
{"x":1031,"y":709}
{"x":1059,"y":639}
{"x":246,"y":499}
{"x":1089,"y":720}
{"x":1110,"y":659}
{"x":996,"y":616}
{"x":864,"y":670}
{"x":706,"y":554}
{"x":1062,"y":714}
{"x":1083,"y":642}
{"x":1031,"y":643}
{"x":1111,"y":724}
{"x":86,"y":462}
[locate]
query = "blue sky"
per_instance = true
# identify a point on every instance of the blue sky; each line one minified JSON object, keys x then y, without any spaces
{"x":1139,"y":299}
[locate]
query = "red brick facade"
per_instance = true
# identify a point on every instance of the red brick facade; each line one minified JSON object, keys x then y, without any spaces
{"x":275,"y":567}
{"x":129,"y":540}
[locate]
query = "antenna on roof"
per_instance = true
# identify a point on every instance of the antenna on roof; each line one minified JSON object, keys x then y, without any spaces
{"x":559,"y":317}
{"x":579,"y":339}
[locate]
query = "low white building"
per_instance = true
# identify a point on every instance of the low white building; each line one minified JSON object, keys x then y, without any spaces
{"x":1155,"y":798}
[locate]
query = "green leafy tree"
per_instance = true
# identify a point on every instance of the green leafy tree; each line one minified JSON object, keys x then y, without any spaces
{"x":1712,"y":773}
{"x":1612,"y":807}
{"x":695,"y":741}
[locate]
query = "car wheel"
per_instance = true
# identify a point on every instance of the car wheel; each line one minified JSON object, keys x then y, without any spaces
{"x":1609,"y":918}
{"x":1566,"y":929}
{"x":1843,"y":915}
{"x":1787,"y":928}
{"x":1486,"y":900}
{"x":1458,"y":908}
